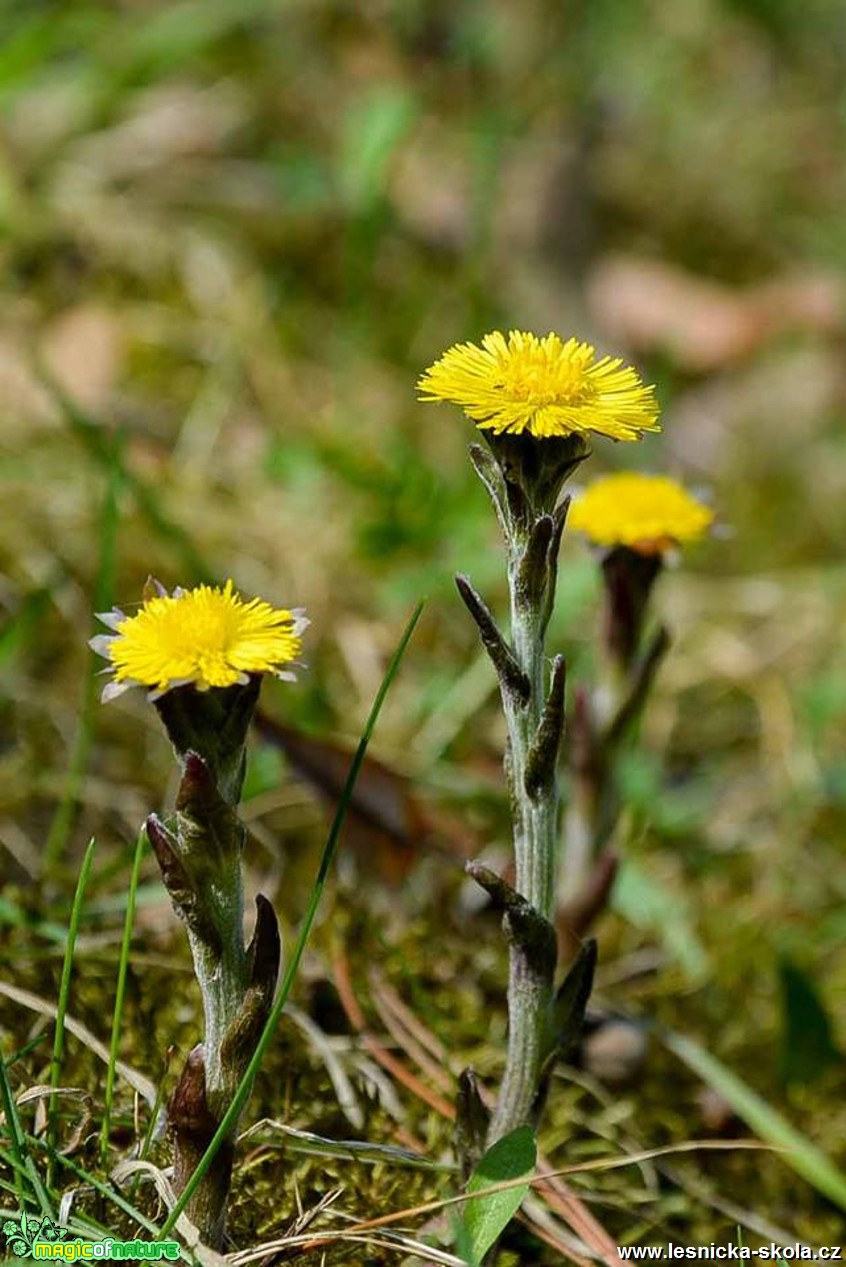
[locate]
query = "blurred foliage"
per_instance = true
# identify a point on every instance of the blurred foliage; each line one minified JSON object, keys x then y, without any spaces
{"x":233,"y":233}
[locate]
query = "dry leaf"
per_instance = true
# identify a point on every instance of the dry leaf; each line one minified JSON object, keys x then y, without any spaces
{"x":648,"y":305}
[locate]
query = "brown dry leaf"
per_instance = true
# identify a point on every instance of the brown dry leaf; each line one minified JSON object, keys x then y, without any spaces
{"x":84,"y":350}
{"x":386,"y":825}
{"x":649,"y":305}
{"x":163,"y":126}
{"x":795,"y":392}
{"x":40,"y":1094}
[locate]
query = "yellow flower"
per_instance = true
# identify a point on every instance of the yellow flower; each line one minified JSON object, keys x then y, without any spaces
{"x":543,"y":386}
{"x":205,"y":637}
{"x":647,"y":513}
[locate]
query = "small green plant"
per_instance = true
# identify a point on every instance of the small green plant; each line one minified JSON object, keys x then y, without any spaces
{"x":535,"y":401}
{"x":485,"y":1217}
{"x":202,"y":655}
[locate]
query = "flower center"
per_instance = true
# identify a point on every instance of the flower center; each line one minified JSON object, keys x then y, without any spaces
{"x":538,"y":379}
{"x":210,"y":634}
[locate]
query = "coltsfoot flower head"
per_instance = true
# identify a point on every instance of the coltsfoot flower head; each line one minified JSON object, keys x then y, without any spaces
{"x":205,"y":637}
{"x":649,"y":514}
{"x":543,"y":387}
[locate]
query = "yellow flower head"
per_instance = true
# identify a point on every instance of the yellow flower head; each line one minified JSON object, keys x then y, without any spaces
{"x":205,"y":637}
{"x":542,"y":386}
{"x":647,"y":513}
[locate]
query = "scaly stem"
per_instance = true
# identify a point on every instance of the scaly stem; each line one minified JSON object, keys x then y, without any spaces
{"x":535,"y":818}
{"x":524,"y":480}
{"x":199,"y":853}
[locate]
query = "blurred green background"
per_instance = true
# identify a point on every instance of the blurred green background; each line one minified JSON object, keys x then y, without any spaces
{"x":234,"y":232}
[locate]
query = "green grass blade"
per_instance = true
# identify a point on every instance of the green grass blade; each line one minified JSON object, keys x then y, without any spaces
{"x":25,"y":1050}
{"x":796,"y":1149}
{"x":12,"y":914}
{"x":22,"y":1163}
{"x":23,"y":626}
{"x":147,"y":1142}
{"x":64,"y":987}
{"x":120,"y":991}
{"x":233,"y":1112}
{"x":106,"y":1189}
{"x":641,"y":898}
{"x":95,"y":439}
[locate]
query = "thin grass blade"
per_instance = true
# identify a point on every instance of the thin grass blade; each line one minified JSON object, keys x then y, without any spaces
{"x":796,"y":1149}
{"x":22,"y":1163}
{"x":120,"y":990}
{"x":64,"y":987}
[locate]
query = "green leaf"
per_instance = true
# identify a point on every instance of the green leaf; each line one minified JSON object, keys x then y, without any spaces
{"x":486,"y":1216}
{"x":795,"y":1149}
{"x":644,"y":901}
{"x":807,"y":1043}
{"x":374,"y":129}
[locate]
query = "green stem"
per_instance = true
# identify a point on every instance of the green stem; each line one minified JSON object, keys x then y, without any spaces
{"x":202,"y":1172}
{"x":199,"y":855}
{"x":535,"y":820}
{"x":223,"y":977}
{"x":530,"y":992}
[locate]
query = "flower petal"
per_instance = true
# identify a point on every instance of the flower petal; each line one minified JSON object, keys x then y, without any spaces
{"x":208,"y":637}
{"x":648,"y":513}
{"x":546,"y":387}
